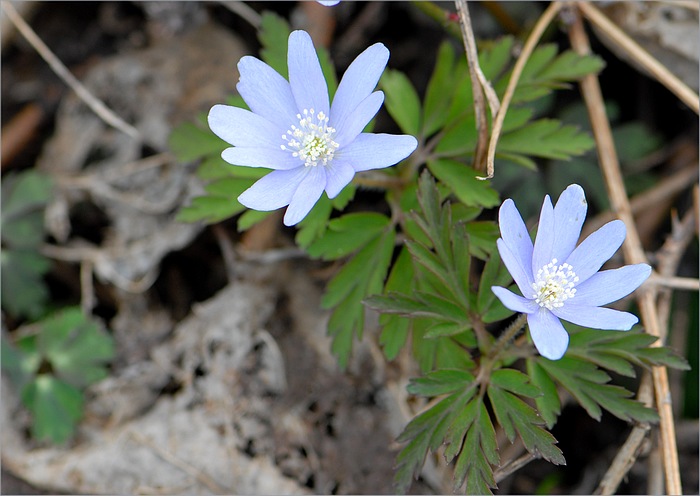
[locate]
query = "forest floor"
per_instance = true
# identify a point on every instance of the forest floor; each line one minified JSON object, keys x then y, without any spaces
{"x":223,"y":380}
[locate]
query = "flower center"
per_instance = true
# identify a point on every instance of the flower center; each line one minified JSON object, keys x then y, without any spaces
{"x":312,"y":141}
{"x":554,"y":284}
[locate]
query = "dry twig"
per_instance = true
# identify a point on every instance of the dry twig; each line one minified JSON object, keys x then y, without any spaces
{"x":632,"y":248}
{"x":480,"y":85}
{"x":529,"y":46}
{"x":641,"y":56}
{"x":62,"y":71}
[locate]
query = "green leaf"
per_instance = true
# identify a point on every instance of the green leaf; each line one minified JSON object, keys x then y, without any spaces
{"x":251,"y":217}
{"x":19,"y":365}
{"x":618,"y":351}
{"x":395,"y":328}
{"x":190,"y":142}
{"x":495,"y":55}
{"x":495,"y":273}
{"x":446,"y":329}
{"x":440,"y":87}
{"x":482,"y":237}
{"x":220,"y":202}
{"x":328,"y":70}
{"x":401,"y":101}
{"x":347,"y":234}
{"x":443,"y":423}
{"x":24,"y":292}
{"x":546,"y":138}
{"x":570,"y":66}
{"x":24,"y":197}
{"x":76,"y":347}
{"x":363,"y":275}
{"x":516,"y":416}
{"x":589,"y":386}
{"x":56,"y":408}
{"x":273,"y":36}
{"x":440,"y":382}
{"x":315,"y":223}
{"x":516,"y":382}
{"x":462,"y":181}
{"x":479,"y":452}
{"x":548,"y":404}
{"x":397,"y":303}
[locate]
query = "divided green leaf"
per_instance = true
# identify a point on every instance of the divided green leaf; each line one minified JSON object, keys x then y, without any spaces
{"x":589,"y":386}
{"x":362,"y":276}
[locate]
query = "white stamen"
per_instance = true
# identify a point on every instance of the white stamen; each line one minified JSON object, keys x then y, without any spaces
{"x":554,"y":284}
{"x":312,"y":142}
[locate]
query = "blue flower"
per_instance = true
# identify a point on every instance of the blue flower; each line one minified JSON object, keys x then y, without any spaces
{"x":559,"y":280}
{"x":312,"y":146}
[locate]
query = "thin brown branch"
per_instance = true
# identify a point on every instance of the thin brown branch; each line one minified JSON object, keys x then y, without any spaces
{"x":666,"y":188}
{"x":480,"y":86}
{"x":632,"y":248}
{"x":482,"y":125}
{"x":627,"y":454}
{"x":542,"y":23}
{"x":62,"y":71}
{"x":641,"y":56}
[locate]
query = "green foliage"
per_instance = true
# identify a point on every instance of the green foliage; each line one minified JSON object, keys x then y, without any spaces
{"x":401,"y":101}
{"x":273,"y":36}
{"x":448,"y":112}
{"x":361,"y":276}
{"x":24,"y":197}
{"x":439,"y":288}
{"x":52,"y":367}
{"x":590,"y":386}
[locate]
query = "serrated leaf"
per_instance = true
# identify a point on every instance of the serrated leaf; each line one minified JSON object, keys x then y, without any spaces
{"x":495,"y":55}
{"x":548,"y":404}
{"x":347,"y":234}
{"x":395,"y":328}
{"x":76,"y":347}
{"x":516,"y":382}
{"x":441,"y":352}
{"x":363,"y":275}
{"x":397,"y":303}
{"x":516,"y":416}
{"x":439,"y":382}
{"x":401,"y":101}
{"x":446,"y":329}
{"x":482,"y":237}
{"x":429,"y":430}
{"x":618,"y":351}
{"x":56,"y":408}
{"x":478,"y":453}
{"x":546,"y":138}
{"x":495,"y":273}
{"x":570,"y":66}
{"x":462,"y":181}
{"x":589,"y":386}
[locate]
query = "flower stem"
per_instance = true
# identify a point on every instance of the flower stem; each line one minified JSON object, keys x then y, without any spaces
{"x":508,"y":334}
